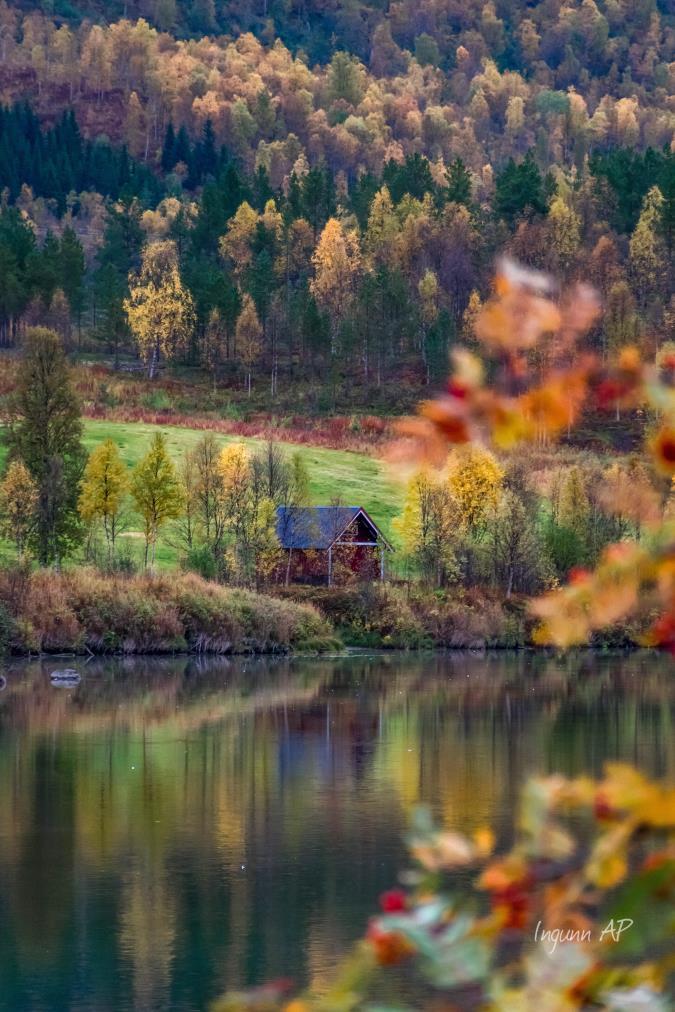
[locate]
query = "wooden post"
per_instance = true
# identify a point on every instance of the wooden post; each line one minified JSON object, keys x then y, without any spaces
{"x":330,"y":566}
{"x":381,"y":563}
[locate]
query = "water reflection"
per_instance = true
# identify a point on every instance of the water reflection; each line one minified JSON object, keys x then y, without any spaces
{"x":172,"y":828}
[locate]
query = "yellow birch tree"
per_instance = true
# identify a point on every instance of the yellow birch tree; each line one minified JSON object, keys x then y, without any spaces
{"x":104,"y":488}
{"x":18,"y":505}
{"x":156,"y":491}
{"x":336,"y":261}
{"x":248,"y":336}
{"x":428,"y":527}
{"x":159,"y":309}
{"x":475,"y":480}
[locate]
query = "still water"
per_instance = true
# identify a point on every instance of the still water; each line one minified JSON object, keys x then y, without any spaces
{"x":172,"y":829}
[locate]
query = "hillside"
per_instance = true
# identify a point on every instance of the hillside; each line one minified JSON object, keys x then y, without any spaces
{"x":332,"y":212}
{"x":253,"y":234}
{"x":377,"y":30}
{"x":351,"y":478}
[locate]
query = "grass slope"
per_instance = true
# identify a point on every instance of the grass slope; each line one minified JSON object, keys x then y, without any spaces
{"x":356,"y":479}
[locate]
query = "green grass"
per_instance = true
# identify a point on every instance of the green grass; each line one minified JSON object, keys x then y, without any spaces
{"x":354,"y":478}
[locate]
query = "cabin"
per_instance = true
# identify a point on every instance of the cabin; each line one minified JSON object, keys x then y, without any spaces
{"x":331,"y":544}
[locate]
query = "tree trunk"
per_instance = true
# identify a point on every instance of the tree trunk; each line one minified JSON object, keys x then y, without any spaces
{"x":152,"y":366}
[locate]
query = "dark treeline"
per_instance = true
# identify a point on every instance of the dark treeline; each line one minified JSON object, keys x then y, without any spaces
{"x":58,"y":161}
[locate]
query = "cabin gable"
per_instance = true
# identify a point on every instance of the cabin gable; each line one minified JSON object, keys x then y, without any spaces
{"x":327,"y":544}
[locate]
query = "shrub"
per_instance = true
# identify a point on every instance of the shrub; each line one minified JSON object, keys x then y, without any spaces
{"x":8,"y":630}
{"x":414,"y":618}
{"x":201,"y":560}
{"x":157,"y":400}
{"x":82,"y":609}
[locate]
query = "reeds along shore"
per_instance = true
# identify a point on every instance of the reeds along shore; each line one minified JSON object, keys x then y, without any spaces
{"x":83,"y":611}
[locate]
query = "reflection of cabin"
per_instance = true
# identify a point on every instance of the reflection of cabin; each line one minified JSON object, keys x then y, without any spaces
{"x":331,"y":544}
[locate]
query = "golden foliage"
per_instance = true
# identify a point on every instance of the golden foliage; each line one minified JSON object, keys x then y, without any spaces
{"x":429,"y":524}
{"x":156,"y":491}
{"x":159,"y":309}
{"x":104,"y":487}
{"x":475,"y":480}
{"x":526,"y":316}
{"x":248,"y":336}
{"x":18,"y":505}
{"x":336,"y":260}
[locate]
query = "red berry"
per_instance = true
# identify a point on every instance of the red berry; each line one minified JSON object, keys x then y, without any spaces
{"x":394,"y":901}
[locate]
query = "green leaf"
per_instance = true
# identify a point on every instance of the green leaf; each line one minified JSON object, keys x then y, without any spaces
{"x":647,"y":900}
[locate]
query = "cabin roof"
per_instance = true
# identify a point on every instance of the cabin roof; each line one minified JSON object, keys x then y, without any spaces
{"x":319,"y":527}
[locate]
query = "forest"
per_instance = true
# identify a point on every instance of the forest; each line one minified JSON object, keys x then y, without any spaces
{"x":233,"y":223}
{"x":337,"y":328}
{"x":288,"y":201}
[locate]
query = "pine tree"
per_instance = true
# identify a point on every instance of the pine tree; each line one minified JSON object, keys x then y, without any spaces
{"x":203,"y":16}
{"x":72,"y":271}
{"x":460,"y":186}
{"x":519,"y":190}
{"x":166,"y":13}
{"x":49,"y":268}
{"x":169,"y":159}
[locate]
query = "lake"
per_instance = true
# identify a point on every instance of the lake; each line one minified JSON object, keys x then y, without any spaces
{"x":170,"y":829}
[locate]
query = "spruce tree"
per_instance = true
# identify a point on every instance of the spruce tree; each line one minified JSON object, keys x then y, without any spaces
{"x":520,"y":190}
{"x":459,"y":183}
{"x":72,"y":269}
{"x":169,"y":149}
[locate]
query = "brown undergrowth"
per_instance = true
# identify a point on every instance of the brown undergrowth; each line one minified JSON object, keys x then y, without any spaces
{"x":81,"y":610}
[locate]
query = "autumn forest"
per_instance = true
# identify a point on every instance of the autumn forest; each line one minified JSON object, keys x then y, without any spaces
{"x":337,"y":505}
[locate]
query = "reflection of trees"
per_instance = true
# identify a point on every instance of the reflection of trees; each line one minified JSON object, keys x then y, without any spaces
{"x":197,"y":825}
{"x":147,"y":933}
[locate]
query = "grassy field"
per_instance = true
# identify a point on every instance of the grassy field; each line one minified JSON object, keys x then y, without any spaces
{"x":356,"y":479}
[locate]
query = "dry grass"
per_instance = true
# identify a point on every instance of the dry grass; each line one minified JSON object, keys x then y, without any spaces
{"x":401,"y":617}
{"x":82,"y":610}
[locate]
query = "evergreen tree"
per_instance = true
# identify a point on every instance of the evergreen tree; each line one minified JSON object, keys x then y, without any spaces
{"x":459,"y":188}
{"x":262,"y":191}
{"x":182,"y":148}
{"x":519,"y":190}
{"x":168,"y":159}
{"x":18,"y":276}
{"x":48,"y":268}
{"x":72,"y":270}
{"x":412,"y":177}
